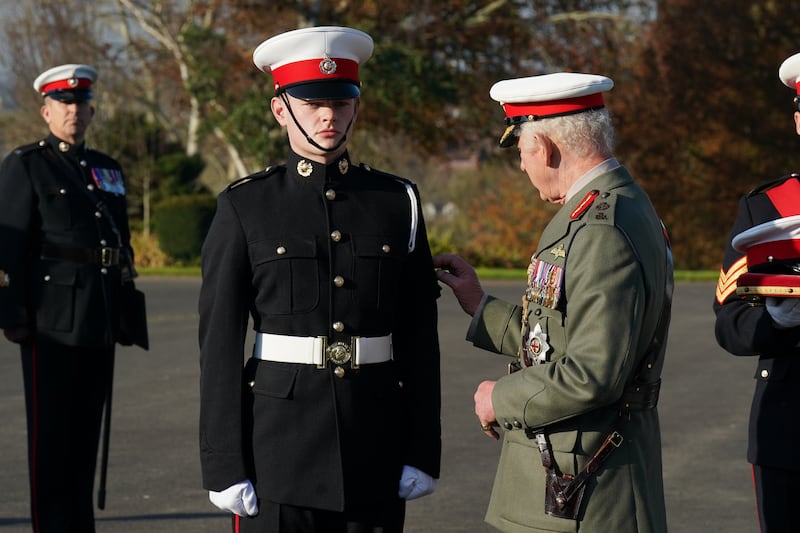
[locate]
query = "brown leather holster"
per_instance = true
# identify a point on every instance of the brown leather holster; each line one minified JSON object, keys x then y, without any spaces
{"x":564,"y":492}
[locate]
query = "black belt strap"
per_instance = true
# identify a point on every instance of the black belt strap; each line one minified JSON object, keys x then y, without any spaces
{"x":103,"y":257}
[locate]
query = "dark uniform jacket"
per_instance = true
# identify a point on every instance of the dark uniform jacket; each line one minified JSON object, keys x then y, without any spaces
{"x":745,"y":328}
{"x":298,"y":249}
{"x":599,"y":283}
{"x":58,"y":209}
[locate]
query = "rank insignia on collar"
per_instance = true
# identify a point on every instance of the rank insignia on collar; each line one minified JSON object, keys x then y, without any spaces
{"x":304,"y":168}
{"x":559,"y":251}
{"x":584,"y":204}
{"x":344,"y":166}
{"x":63,"y":147}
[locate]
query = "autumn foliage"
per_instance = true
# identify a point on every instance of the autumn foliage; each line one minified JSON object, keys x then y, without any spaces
{"x":700,"y":113}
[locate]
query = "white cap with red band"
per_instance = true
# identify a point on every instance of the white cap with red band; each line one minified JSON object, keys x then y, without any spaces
{"x":789,"y":72}
{"x":66,"y":82}
{"x":546,"y":96}
{"x":315,"y":63}
{"x":773,"y":251}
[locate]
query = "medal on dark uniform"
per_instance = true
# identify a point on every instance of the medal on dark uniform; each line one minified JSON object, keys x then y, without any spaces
{"x":109,"y":180}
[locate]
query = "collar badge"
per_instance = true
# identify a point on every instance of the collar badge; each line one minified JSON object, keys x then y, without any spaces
{"x":63,"y":147}
{"x":344,"y":166}
{"x":304,"y":168}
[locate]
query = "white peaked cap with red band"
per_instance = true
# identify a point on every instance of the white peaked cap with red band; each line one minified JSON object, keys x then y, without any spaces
{"x":789,"y":72}
{"x":546,"y":96}
{"x":315,"y":63}
{"x":66,"y":82}
{"x":771,"y":237}
{"x":772,"y":250}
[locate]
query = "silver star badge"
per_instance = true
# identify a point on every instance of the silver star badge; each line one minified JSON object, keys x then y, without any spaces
{"x":537,"y":346}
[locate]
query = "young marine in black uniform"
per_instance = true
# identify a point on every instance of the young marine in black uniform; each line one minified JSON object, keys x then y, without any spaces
{"x":333,"y":423}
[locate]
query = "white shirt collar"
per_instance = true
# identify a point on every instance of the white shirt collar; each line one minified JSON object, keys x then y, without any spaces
{"x":606,"y":166}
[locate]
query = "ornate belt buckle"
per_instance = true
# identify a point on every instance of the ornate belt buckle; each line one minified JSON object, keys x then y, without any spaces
{"x":338,"y":352}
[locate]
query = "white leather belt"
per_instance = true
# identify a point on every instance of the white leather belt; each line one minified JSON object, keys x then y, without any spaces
{"x":317,"y":351}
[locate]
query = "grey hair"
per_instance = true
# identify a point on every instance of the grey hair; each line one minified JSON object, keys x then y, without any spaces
{"x":585,"y":133}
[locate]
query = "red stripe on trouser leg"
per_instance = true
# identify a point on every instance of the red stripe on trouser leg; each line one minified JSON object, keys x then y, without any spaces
{"x":34,"y":438}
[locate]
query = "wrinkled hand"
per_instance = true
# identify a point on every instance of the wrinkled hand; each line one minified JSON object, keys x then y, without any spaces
{"x":459,"y":275}
{"x":485,"y":410}
{"x":238,"y":499}
{"x":785,"y":312}
{"x":414,"y":483}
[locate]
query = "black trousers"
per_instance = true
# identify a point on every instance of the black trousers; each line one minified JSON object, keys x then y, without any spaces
{"x":276,"y":518}
{"x":777,"y":496}
{"x":65,"y":390}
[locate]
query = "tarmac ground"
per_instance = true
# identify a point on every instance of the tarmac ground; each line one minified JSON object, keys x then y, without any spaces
{"x":154,"y":474}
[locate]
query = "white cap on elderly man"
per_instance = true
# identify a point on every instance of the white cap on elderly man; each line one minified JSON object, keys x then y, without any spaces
{"x":772,"y":250}
{"x":66,"y":82}
{"x":547,"y":96}
{"x":315,"y":63}
{"x":789,"y":72}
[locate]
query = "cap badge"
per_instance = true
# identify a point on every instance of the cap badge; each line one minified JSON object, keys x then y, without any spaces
{"x":72,"y":82}
{"x":327,"y":66}
{"x":344,"y":166}
{"x":304,"y":168}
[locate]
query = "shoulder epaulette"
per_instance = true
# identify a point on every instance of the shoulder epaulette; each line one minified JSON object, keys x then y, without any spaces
{"x":371,"y":170}
{"x":254,"y":177}
{"x":39,"y":145}
{"x":602,"y":209}
{"x":772,"y":183}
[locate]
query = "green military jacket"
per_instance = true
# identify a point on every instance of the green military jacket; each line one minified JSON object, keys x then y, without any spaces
{"x":596,"y":289}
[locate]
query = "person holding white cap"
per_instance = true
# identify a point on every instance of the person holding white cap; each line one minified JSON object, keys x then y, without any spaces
{"x":334,"y":422}
{"x":66,"y":269}
{"x":577,"y":410}
{"x":758,"y":314}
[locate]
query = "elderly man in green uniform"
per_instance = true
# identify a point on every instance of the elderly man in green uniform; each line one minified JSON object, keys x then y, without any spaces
{"x":582,"y":448}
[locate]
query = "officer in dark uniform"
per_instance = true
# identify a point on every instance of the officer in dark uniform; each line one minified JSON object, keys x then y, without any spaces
{"x":758,"y":314}
{"x":65,"y":257}
{"x":334,"y":422}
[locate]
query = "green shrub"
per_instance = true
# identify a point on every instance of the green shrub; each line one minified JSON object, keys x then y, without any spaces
{"x":181,"y":224}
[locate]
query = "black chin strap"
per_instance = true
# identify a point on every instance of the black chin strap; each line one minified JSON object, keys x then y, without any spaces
{"x":308,"y":137}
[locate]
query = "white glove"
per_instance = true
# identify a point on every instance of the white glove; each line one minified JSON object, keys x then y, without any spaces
{"x":414,"y":483}
{"x":238,"y":499}
{"x":785,"y":312}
